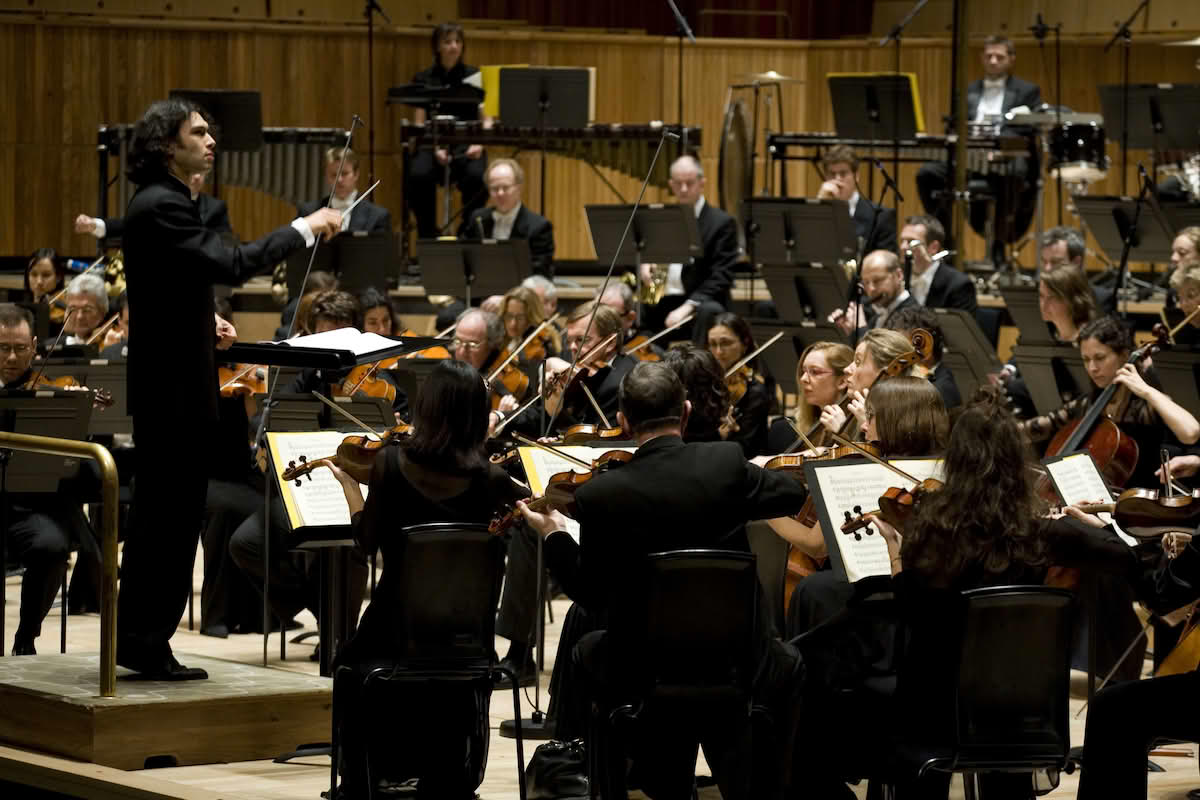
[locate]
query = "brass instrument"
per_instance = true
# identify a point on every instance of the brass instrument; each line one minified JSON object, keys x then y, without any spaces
{"x":649,"y":293}
{"x":1187,"y":169}
{"x":114,"y":274}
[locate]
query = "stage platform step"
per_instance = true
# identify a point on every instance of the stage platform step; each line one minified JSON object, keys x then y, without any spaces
{"x":241,"y":713}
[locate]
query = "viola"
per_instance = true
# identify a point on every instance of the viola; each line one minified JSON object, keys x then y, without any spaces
{"x":355,"y":456}
{"x":101,"y":398}
{"x":794,"y":462}
{"x":561,"y":489}
{"x":590,"y":434}
{"x":637,"y":347}
{"x":241,"y":380}
{"x":1148,"y":513}
{"x":896,"y":507}
{"x":366,"y":380}
{"x":432,"y":352}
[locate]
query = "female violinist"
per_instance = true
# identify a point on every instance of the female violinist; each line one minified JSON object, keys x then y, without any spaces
{"x":45,"y":276}
{"x":377,"y":313}
{"x":878,"y":349}
{"x":1138,"y":407}
{"x":729,"y":339}
{"x":821,"y":376}
{"x":438,"y":474}
{"x":1185,"y":285}
{"x":704,"y":382}
{"x":982,"y":529}
{"x":521,"y":313}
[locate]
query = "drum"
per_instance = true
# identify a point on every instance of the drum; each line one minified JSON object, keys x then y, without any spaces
{"x":735,"y":171}
{"x":1077,"y":153}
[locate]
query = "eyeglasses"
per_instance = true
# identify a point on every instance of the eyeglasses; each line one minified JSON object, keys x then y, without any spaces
{"x":515,"y":315}
{"x":815,"y":372}
{"x":723,"y":344}
{"x":7,"y":350}
{"x":88,"y":309}
{"x":463,"y":344}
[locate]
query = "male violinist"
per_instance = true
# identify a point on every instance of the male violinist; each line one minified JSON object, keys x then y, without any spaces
{"x":602,"y":372}
{"x":672,"y":495}
{"x":477,"y":341}
{"x":40,"y":527}
{"x":87,"y":306}
{"x":619,"y":297}
{"x":171,"y":253}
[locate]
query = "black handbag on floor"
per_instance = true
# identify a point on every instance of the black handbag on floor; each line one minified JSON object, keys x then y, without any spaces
{"x":557,"y":771}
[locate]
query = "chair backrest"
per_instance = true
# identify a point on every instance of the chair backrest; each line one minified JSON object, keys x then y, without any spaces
{"x":450,"y":584}
{"x":690,"y":628}
{"x":771,"y":552}
{"x":1014,"y":675}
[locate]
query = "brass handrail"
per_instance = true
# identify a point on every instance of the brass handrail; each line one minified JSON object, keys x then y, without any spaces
{"x":51,"y":446}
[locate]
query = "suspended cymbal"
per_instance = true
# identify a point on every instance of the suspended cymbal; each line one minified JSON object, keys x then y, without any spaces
{"x":1186,"y":43}
{"x":769,"y":76}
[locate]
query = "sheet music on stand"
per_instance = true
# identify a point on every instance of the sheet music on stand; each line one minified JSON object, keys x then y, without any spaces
{"x":360,"y":260}
{"x":1077,"y":480}
{"x":44,"y":412}
{"x":659,"y":234}
{"x":1022,"y":305}
{"x":316,"y":509}
{"x":540,"y":465}
{"x":839,"y":487}
{"x":1108,"y":218}
{"x":112,"y":376}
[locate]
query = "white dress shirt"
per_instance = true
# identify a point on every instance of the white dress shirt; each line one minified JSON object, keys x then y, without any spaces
{"x":991,"y":102}
{"x":502,"y":223}
{"x":921,"y":284}
{"x":853,"y":203}
{"x":341,"y":205}
{"x":884,"y":312}
{"x":675,"y":271}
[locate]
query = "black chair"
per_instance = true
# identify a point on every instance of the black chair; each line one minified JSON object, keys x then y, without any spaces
{"x":1010,"y":697}
{"x":445,"y":627}
{"x":688,"y":640}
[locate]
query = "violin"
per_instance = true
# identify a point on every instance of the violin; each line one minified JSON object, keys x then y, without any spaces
{"x":639,"y":346}
{"x":1148,"y":514}
{"x":355,"y":456}
{"x":561,"y":489}
{"x":365,"y":379}
{"x":241,"y":380}
{"x":101,"y":398}
{"x":896,"y":507}
{"x":794,"y":462}
{"x":567,"y":379}
{"x":432,"y":352}
{"x":590,"y":434}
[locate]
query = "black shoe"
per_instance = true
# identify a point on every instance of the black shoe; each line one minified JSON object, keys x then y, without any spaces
{"x":23,"y":647}
{"x":164,"y":668}
{"x":526,"y":675}
{"x":218,"y":631}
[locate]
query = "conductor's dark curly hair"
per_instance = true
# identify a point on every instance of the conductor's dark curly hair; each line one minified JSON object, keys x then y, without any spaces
{"x":986,"y":516}
{"x":153,"y":135}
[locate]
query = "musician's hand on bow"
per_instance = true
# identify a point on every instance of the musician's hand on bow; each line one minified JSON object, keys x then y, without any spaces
{"x":325,"y":222}
{"x":544,"y":524}
{"x":226,"y":333}
{"x":1130,"y":378}
{"x":112,"y":336}
{"x":475,"y":151}
{"x":508,"y":403}
{"x":1180,"y":467}
{"x":833,"y":417}
{"x":85,"y":224}
{"x":679,"y":315}
{"x":858,"y":406}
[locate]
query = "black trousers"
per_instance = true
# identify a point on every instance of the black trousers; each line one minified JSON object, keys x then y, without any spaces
{"x":40,"y":541}
{"x":160,"y":551}
{"x":1124,"y":720}
{"x":227,"y":597}
{"x":517,"y":617}
{"x":294,"y":583}
{"x":425,"y":175}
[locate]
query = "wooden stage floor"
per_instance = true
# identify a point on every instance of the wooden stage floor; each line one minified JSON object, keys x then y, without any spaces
{"x":264,"y":780}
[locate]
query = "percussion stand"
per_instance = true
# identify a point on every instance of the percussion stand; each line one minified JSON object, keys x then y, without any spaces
{"x":1125,"y":36}
{"x":371,"y":8}
{"x":894,"y":35}
{"x":681,"y":30}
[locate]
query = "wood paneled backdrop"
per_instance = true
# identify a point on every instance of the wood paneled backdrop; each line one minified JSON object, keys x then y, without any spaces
{"x":64,"y":76}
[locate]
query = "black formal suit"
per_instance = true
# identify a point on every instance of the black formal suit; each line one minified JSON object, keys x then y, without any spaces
{"x":1016,"y":93}
{"x":672,"y":496}
{"x":605,"y":386}
{"x":877,"y":320}
{"x":883,"y":237}
{"x":951,"y":289}
{"x":366,"y":216}
{"x":532,"y":227}
{"x":214,"y":215}
{"x":943,"y":380}
{"x":172,"y":261}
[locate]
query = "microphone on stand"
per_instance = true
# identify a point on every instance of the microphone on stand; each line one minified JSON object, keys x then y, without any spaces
{"x":1039,"y":28}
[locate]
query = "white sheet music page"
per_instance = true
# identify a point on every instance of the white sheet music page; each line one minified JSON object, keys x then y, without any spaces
{"x":350,"y":339}
{"x":1078,"y":481}
{"x":316,"y":502}
{"x":860,"y":484}
{"x":541,"y":465}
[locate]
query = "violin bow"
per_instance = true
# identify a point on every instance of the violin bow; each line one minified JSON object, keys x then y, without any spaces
{"x":747,"y":358}
{"x":439,"y":335}
{"x":108,"y":323}
{"x":586,"y":357}
{"x":1183,"y":322}
{"x":801,"y":434}
{"x":33,"y":381}
{"x":519,"y":349}
{"x":374,"y":368}
{"x":616,"y":255}
{"x":239,"y":376}
{"x":552,"y":449}
{"x":844,"y":441}
{"x":58,"y":295}
{"x":345,"y":413}
{"x":506,"y":418}
{"x":592,"y":399}
{"x":631,"y":350}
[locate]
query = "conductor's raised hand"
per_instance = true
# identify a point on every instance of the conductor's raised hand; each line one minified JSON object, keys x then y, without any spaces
{"x":85,"y":224}
{"x":324,"y":222}
{"x":226,"y":333}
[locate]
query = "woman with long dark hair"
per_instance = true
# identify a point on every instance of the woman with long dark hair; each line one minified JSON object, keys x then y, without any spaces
{"x":704,"y":383}
{"x":730,"y":340}
{"x":440,"y":473}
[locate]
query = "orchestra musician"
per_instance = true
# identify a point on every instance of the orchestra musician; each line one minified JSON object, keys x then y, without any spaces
{"x":704,"y":383}
{"x":935,"y":284}
{"x":874,"y":225}
{"x":87,"y":306}
{"x":671,"y":495}
{"x":1065,"y":246}
{"x":729,"y":340}
{"x":377,"y":314}
{"x":41,"y":528}
{"x":213,"y":213}
{"x":465,"y":164}
{"x":521,"y":313}
{"x":602,"y":374}
{"x":440,"y":473}
{"x":546,"y":290}
{"x":116,"y":341}
{"x":983,"y":528}
{"x":878,"y":349}
{"x":619,"y":297}
{"x":821,"y":378}
{"x":366,"y":216}
{"x":318,"y":281}
{"x":702,"y":286}
{"x":988,"y":100}
{"x":163,"y":227}
{"x":45,"y":275}
{"x":1185,"y":247}
{"x":907,"y":320}
{"x":509,"y":218}
{"x":883,"y":288}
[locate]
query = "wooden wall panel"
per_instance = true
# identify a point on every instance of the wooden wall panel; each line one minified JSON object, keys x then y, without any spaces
{"x":66,"y":76}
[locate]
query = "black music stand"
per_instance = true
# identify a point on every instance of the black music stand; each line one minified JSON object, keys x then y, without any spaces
{"x":780,"y":361}
{"x":1161,"y":116}
{"x":410,"y":374}
{"x":1022,"y":305}
{"x":1109,"y":219}
{"x":41,"y":322}
{"x":968,"y":353}
{"x":111,"y":376}
{"x":658,"y":234}
{"x":1042,"y":366}
{"x":237,"y":117}
{"x":1179,"y":372}
{"x":361,"y":260}
{"x":472,"y":269}
{"x":1181,"y":215}
{"x":64,"y":415}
